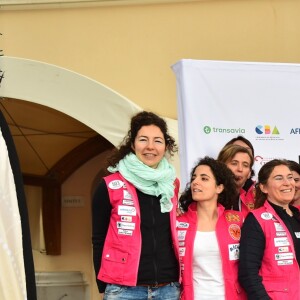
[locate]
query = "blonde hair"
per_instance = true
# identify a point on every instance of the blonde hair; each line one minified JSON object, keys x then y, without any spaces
{"x":229,"y":151}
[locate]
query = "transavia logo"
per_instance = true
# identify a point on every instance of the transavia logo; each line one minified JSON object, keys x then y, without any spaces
{"x":266,"y":129}
{"x":208,"y":130}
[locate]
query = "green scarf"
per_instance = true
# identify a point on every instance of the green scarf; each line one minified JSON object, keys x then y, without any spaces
{"x":155,"y":182}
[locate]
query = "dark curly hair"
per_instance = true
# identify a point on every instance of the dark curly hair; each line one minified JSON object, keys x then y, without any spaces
{"x":263,"y":177}
{"x":223,"y":175}
{"x":141,"y":119}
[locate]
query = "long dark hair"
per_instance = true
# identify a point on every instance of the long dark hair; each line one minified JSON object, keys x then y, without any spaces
{"x":263,"y":177}
{"x":222,"y":174}
{"x":141,"y":119}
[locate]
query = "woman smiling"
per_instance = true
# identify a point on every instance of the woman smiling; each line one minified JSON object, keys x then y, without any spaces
{"x":270,"y":241}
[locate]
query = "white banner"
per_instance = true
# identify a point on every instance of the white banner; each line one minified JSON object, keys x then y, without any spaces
{"x":219,"y":100}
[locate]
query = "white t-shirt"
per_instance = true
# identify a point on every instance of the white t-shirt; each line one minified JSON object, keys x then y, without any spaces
{"x":207,"y":268}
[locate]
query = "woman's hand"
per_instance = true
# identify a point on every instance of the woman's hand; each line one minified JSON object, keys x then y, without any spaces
{"x":179,"y":212}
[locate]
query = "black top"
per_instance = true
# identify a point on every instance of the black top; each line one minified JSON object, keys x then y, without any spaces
{"x":158,"y":263}
{"x":249,"y":182}
{"x":252,"y":246}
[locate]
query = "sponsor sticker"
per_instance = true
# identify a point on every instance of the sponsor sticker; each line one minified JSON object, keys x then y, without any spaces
{"x":126,"y":210}
{"x":280,"y":256}
{"x":283,"y":249}
{"x":281,"y":241}
{"x":181,"y":244}
{"x":116,"y":184}
{"x":127,"y":202}
{"x":284,"y":262}
{"x":182,"y":224}
{"x":278,"y":227}
{"x":235,"y":231}
{"x":127,"y":195}
{"x":125,"y":225}
{"x":266,"y":216}
{"x":181,"y":235}
{"x":280,"y":233}
{"x":234,"y":251}
{"x":126,"y":218}
{"x":181,"y":251}
{"x":125,"y":232}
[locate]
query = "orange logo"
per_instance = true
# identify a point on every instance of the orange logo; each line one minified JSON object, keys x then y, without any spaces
{"x":235,"y":231}
{"x":230,"y":217}
{"x":250,"y":206}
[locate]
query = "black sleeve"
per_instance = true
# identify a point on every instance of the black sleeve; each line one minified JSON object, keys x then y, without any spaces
{"x":252,"y":246}
{"x":101,"y":210}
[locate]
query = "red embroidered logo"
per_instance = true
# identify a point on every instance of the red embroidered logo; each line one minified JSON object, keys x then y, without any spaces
{"x":235,"y":231}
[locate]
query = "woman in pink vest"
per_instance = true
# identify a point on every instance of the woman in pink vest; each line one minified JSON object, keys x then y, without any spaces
{"x":209,"y":234}
{"x":295,"y":168}
{"x":240,"y":161}
{"x":249,"y":186}
{"x":135,"y":244}
{"x":270,"y":242}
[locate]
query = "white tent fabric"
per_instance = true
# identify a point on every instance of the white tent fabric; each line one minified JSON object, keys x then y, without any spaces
{"x":12,"y":279}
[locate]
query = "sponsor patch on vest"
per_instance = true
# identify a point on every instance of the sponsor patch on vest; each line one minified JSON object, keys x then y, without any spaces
{"x":281,"y":241}
{"x":235,"y":231}
{"x":182,"y":224}
{"x":250,"y":206}
{"x":278,"y":227}
{"x":127,"y":195}
{"x":284,"y":262}
{"x":231,"y":217}
{"x":126,"y":218}
{"x":280,"y":256}
{"x":181,"y":251}
{"x":127,"y":202}
{"x":181,"y":235}
{"x":266,"y":216}
{"x":297,"y":234}
{"x":126,"y":210}
{"x":116,"y":184}
{"x":125,"y":225}
{"x":234,"y":251}
{"x":283,"y":249}
{"x":181,"y":244}
{"x":125,"y":232}
{"x":280,"y":233}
